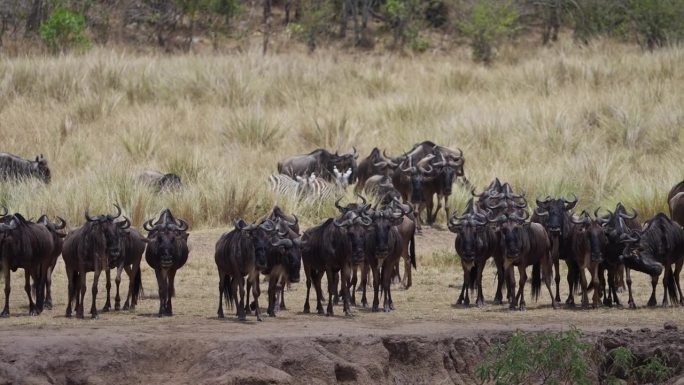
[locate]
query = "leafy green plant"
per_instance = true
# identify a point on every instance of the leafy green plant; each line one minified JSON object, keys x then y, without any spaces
{"x":64,"y":30}
{"x":654,"y":370}
{"x":489,"y":22}
{"x":656,"y":22}
{"x":547,"y":358}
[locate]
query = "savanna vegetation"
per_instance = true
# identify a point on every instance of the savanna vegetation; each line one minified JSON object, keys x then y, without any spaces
{"x":604,"y":120}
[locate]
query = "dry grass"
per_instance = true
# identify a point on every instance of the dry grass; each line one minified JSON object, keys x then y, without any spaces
{"x":604,"y":121}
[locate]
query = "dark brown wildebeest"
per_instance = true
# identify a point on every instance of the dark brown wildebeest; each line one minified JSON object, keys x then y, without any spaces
{"x":28,"y":246}
{"x":242,"y":253}
{"x":132,"y":248}
{"x":445,"y":172}
{"x":57,"y":242}
{"x":383,"y":250}
{"x":321,"y":162}
{"x":676,"y":189}
{"x":12,"y":167}
{"x":661,"y":240}
{"x":159,"y":180}
{"x":475,"y":243}
{"x":167,"y":251}
{"x":374,"y":164}
{"x":676,"y":204}
{"x":90,"y":248}
{"x":290,"y":220}
{"x":588,"y":245}
{"x":524,"y":244}
{"x":284,"y":260}
{"x":616,"y":224}
{"x":554,"y":214}
{"x":335,"y":245}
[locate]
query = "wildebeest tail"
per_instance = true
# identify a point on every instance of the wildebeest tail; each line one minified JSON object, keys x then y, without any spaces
{"x":412,"y":251}
{"x":671,"y":288}
{"x":137,"y":287}
{"x":536,"y":281}
{"x":227,"y":294}
{"x":574,"y":277}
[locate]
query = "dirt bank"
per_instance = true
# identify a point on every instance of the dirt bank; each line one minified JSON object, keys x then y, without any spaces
{"x":426,"y":353}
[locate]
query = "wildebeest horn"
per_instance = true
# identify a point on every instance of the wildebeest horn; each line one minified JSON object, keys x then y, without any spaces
{"x":456,"y":163}
{"x":482,"y":219}
{"x":365,"y":221}
{"x":118,"y":211}
{"x":583,"y":218}
{"x":540,"y":212}
{"x":346,"y":223}
{"x":497,"y":206}
{"x":123,"y":225}
{"x":632,"y":237}
{"x":500,"y":218}
{"x":89,"y":218}
{"x":476,"y":195}
{"x":453,"y":223}
{"x":627,"y":216}
{"x":148,"y":225}
{"x":5,"y":211}
{"x":542,"y":203}
{"x":518,"y":218}
{"x":385,"y":154}
{"x":337,"y":204}
{"x":282,"y":242}
{"x":381,"y":164}
{"x":520,"y":205}
{"x":356,"y":155}
{"x":62,"y":224}
{"x":243,"y":226}
{"x":363,"y":200}
{"x":570,"y":204}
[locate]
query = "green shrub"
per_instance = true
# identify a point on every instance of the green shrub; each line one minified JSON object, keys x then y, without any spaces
{"x":64,"y":30}
{"x":549,"y":358}
{"x":657,"y":22}
{"x":489,"y":22}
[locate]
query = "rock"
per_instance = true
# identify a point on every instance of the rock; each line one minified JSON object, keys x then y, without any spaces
{"x":669,"y":326}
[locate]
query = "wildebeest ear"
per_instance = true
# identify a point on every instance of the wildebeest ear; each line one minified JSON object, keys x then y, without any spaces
{"x":185,"y":236}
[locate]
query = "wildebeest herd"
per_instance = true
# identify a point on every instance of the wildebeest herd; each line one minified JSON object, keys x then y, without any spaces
{"x":364,"y":242}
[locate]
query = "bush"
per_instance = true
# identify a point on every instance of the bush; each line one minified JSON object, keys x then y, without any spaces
{"x":657,"y":22}
{"x":489,"y":22}
{"x":64,"y":30}
{"x":549,"y":358}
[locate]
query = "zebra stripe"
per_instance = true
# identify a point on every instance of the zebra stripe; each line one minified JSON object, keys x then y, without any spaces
{"x":283,"y":185}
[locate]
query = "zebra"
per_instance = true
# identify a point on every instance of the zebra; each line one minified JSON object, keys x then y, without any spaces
{"x":282,"y":184}
{"x":310,"y":187}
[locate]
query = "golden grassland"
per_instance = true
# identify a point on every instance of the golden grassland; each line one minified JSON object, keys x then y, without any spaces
{"x":604,"y":121}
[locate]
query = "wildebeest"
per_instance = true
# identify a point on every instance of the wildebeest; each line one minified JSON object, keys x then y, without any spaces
{"x":676,"y":189}
{"x":12,"y":166}
{"x":160,"y":181}
{"x":475,"y":243}
{"x":676,"y":204}
{"x":554,"y":214}
{"x":320,"y":162}
{"x":132,"y":248}
{"x":383,"y":249}
{"x":284,"y":260}
{"x":279,"y":217}
{"x":331,"y":247}
{"x":524,"y":244}
{"x":588,"y":248}
{"x":167,"y":251}
{"x":662,"y":241}
{"x":443,"y":176}
{"x":90,"y":248}
{"x":29,"y":246}
{"x":374,"y":164}
{"x":57,"y":242}
{"x":241,"y":253}
{"x":616,"y":224}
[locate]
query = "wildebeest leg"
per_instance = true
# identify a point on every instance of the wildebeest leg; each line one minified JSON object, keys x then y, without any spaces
{"x":161,"y":283}
{"x":480,"y":294}
{"x":352,"y":284}
{"x":131,"y":272}
{"x":510,"y":281}
{"x":396,"y":274}
{"x":572,"y":270}
{"x":27,"y":288}
{"x":256,"y":291}
{"x":332,"y":287}
{"x":557,"y":278}
{"x":96,"y":277}
{"x":547,"y":271}
{"x":678,"y":269}
{"x":385,"y":277}
{"x":603,"y":282}
{"x":242,"y":316}
{"x":613,"y":285}
{"x":171,"y":292}
{"x":345,"y":278}
{"x":307,"y":273}
{"x":108,"y":286}
{"x":520,"y":297}
{"x":595,"y":281}
{"x":271,"y":293}
{"x":498,"y":297}
{"x":407,"y":282}
{"x":282,"y":297}
{"x":446,"y":207}
{"x":48,"y":288}
{"x":336,"y":292}
{"x":666,"y":283}
{"x":376,"y":287}
{"x":249,"y":289}
{"x":117,"y":281}
{"x":318,"y":277}
{"x":222,"y":281}
{"x":364,"y":284}
{"x":652,"y":301}
{"x":583,"y":283}
{"x":70,"y":291}
{"x":6,"y":277}
{"x":628,"y":280}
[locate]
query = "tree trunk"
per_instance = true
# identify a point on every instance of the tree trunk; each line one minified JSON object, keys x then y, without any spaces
{"x":35,"y":16}
{"x":344,"y":18}
{"x":267,"y":24}
{"x":357,"y":28}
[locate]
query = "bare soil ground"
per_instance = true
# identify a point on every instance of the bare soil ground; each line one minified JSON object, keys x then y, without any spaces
{"x":425,"y":340}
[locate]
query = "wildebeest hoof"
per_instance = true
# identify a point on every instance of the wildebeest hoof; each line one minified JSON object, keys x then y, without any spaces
{"x":554,"y":305}
{"x":125,"y":308}
{"x":307,"y":310}
{"x":94,"y":316}
{"x":259,"y":319}
{"x":252,"y":306}
{"x":497,"y":302}
{"x":160,"y":315}
{"x":271,"y":314}
{"x":243,"y":319}
{"x":522,"y":307}
{"x":607,"y":302}
{"x":33,"y":312}
{"x":117,"y":307}
{"x":281,"y":307}
{"x":480,"y":304}
{"x":651,"y":303}
{"x":48,"y":305}
{"x":4,"y":314}
{"x":105,"y":309}
{"x":220,"y":315}
{"x":632,"y":305}
{"x":375,"y":309}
